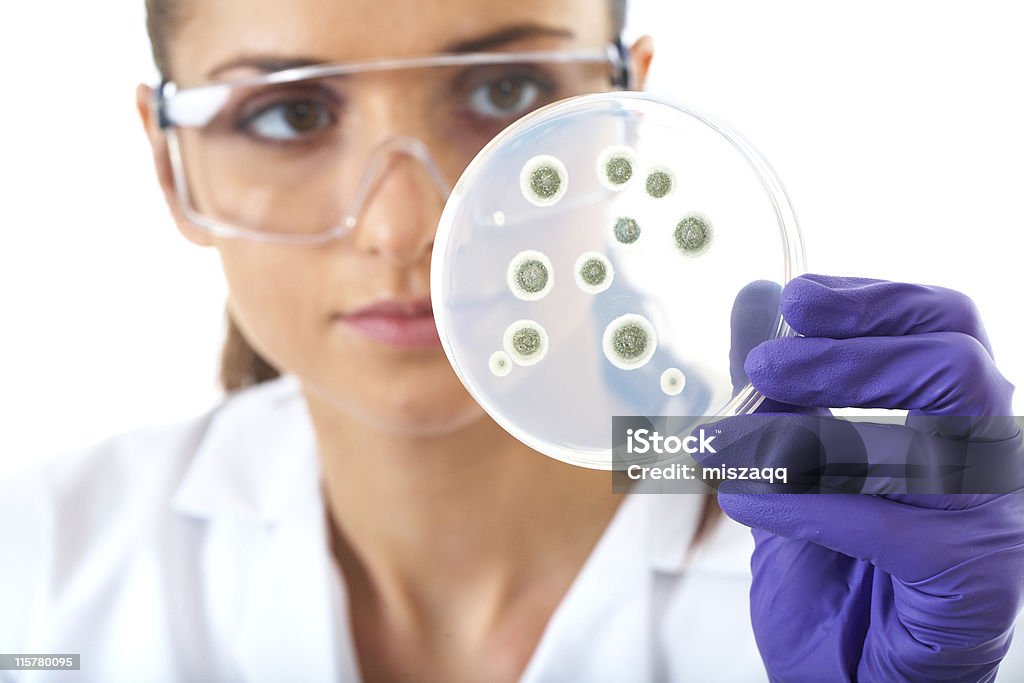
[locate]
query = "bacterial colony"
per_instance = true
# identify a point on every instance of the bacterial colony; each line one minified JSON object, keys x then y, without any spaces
{"x":629,"y":341}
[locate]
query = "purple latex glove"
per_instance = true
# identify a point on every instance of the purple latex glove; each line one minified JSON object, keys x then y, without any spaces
{"x":857,"y":587}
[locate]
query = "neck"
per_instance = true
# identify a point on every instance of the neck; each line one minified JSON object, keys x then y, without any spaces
{"x":472,"y":513}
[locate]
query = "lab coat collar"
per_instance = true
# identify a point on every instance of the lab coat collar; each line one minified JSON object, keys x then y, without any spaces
{"x":277,"y":602}
{"x":622,"y":587}
{"x":255,"y":474}
{"x":671,"y":521}
{"x":724,"y":551}
{"x":257,"y":455}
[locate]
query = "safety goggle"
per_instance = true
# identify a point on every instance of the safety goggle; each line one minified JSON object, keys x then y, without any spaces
{"x":294,"y":156}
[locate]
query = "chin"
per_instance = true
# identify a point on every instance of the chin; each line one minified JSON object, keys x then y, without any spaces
{"x":428,"y":408}
{"x":433,"y":415}
{"x":437,"y":423}
{"x":416,"y":400}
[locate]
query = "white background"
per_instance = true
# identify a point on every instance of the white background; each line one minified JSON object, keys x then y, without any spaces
{"x":894,"y":124}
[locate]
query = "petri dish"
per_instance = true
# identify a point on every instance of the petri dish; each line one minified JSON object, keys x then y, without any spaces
{"x":689,"y":217}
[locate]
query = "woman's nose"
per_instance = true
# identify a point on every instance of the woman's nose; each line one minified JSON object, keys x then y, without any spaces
{"x":399,"y":202}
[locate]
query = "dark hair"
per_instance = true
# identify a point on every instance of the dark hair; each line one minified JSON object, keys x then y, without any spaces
{"x":161,"y":20}
{"x":618,"y":16}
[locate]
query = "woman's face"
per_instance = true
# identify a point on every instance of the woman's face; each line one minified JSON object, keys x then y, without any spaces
{"x":351,"y":318}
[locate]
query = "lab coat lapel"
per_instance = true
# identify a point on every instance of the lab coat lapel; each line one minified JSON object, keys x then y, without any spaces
{"x":594,"y":632}
{"x":274,"y":598}
{"x":606,"y":628}
{"x":293,"y":618}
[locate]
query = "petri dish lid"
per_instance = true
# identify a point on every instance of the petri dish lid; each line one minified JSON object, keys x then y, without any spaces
{"x":588,"y":262}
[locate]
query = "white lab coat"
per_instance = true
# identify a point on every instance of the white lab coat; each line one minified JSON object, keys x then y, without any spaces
{"x":199,"y":552}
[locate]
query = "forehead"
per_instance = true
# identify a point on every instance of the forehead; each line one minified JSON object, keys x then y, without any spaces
{"x":214,"y":33}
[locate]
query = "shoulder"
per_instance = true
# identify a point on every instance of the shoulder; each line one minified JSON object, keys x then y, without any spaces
{"x":135,"y":470}
{"x":78,"y":521}
{"x":98,"y":479}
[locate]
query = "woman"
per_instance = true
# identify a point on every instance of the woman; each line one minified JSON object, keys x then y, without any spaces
{"x":360,"y":517}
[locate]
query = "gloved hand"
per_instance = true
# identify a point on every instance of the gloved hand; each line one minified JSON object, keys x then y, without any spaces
{"x":858,"y":587}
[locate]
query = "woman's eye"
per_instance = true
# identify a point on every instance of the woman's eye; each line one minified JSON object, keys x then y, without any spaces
{"x":290,"y":120}
{"x":505,"y":97}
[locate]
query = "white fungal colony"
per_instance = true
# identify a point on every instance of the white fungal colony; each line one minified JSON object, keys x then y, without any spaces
{"x":543,"y":180}
{"x":526,"y":342}
{"x":629,"y":341}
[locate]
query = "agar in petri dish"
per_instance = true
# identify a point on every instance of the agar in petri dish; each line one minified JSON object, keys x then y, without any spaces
{"x":629,"y":341}
{"x":594,"y":272}
{"x":567,"y":383}
{"x":673,"y":381}
{"x":693,"y":235}
{"x":616,"y":167}
{"x":626,"y":230}
{"x":500,"y":364}
{"x":526,"y":342}
{"x":660,"y":182}
{"x":544,"y":180}
{"x":530,"y":275}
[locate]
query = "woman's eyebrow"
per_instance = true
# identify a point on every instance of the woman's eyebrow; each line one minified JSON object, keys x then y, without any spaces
{"x":489,"y":41}
{"x":506,"y":35}
{"x":262,"y":63}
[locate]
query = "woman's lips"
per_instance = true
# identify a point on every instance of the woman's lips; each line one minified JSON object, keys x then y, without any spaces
{"x":406,"y":325}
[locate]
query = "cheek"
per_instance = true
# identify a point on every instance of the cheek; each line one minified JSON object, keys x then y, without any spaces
{"x":273,"y":299}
